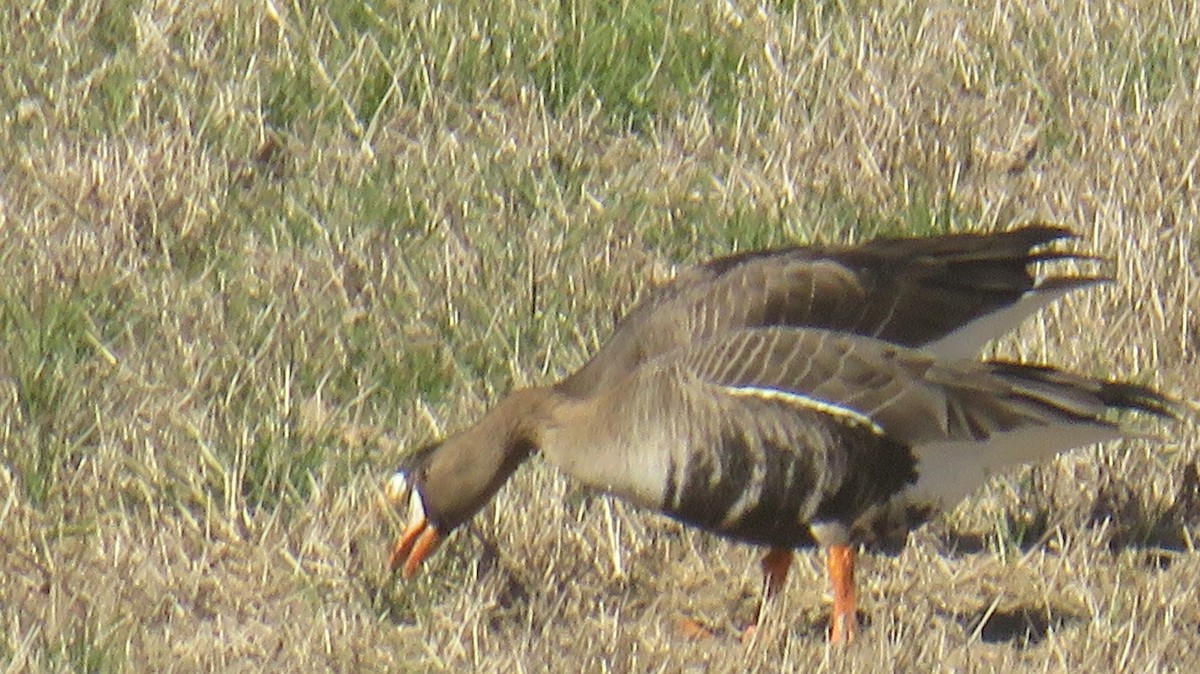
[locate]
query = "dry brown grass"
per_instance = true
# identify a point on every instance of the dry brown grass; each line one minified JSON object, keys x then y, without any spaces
{"x":253,"y":252}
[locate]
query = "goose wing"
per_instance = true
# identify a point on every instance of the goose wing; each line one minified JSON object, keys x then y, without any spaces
{"x":950,"y":293}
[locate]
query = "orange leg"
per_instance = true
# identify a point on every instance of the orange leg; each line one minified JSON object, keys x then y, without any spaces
{"x":840,"y":566}
{"x":775,"y":565}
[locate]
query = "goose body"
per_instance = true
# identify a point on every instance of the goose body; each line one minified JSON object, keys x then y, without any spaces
{"x":791,"y":398}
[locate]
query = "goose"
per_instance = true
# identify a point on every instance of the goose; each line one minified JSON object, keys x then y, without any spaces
{"x":821,"y":396}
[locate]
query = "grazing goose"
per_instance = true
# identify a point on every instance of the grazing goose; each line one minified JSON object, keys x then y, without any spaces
{"x":795,"y":397}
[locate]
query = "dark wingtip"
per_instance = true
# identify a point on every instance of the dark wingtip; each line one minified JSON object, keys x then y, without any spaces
{"x":1052,"y":255}
{"x":1047,"y":231}
{"x":1034,"y":234}
{"x":1141,"y":398}
{"x":1042,"y":234}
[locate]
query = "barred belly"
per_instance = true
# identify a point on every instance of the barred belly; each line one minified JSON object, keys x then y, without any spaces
{"x":753,"y":494}
{"x":757,"y":490}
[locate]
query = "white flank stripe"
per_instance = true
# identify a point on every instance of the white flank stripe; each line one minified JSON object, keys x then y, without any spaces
{"x":808,"y":402}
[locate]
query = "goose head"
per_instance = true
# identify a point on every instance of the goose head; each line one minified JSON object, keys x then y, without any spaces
{"x":443,"y":484}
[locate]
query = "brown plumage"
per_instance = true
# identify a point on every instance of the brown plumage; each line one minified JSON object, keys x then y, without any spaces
{"x":797,"y":397}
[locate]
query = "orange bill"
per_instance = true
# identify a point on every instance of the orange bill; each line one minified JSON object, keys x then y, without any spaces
{"x":415,"y":544}
{"x":840,"y":565}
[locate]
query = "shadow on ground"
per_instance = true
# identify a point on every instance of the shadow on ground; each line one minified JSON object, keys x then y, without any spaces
{"x":1021,"y":627}
{"x":1128,"y":519}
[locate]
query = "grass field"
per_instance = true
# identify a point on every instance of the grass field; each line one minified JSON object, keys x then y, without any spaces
{"x":253,"y":252}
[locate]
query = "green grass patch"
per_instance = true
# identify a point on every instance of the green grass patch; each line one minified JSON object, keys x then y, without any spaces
{"x":86,"y":647}
{"x":113,"y":30}
{"x":56,"y":360}
{"x":639,"y":60}
{"x":1152,"y":64}
{"x":292,"y":96}
{"x":695,"y":232}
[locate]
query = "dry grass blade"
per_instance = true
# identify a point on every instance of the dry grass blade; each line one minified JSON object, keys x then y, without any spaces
{"x":253,"y":252}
